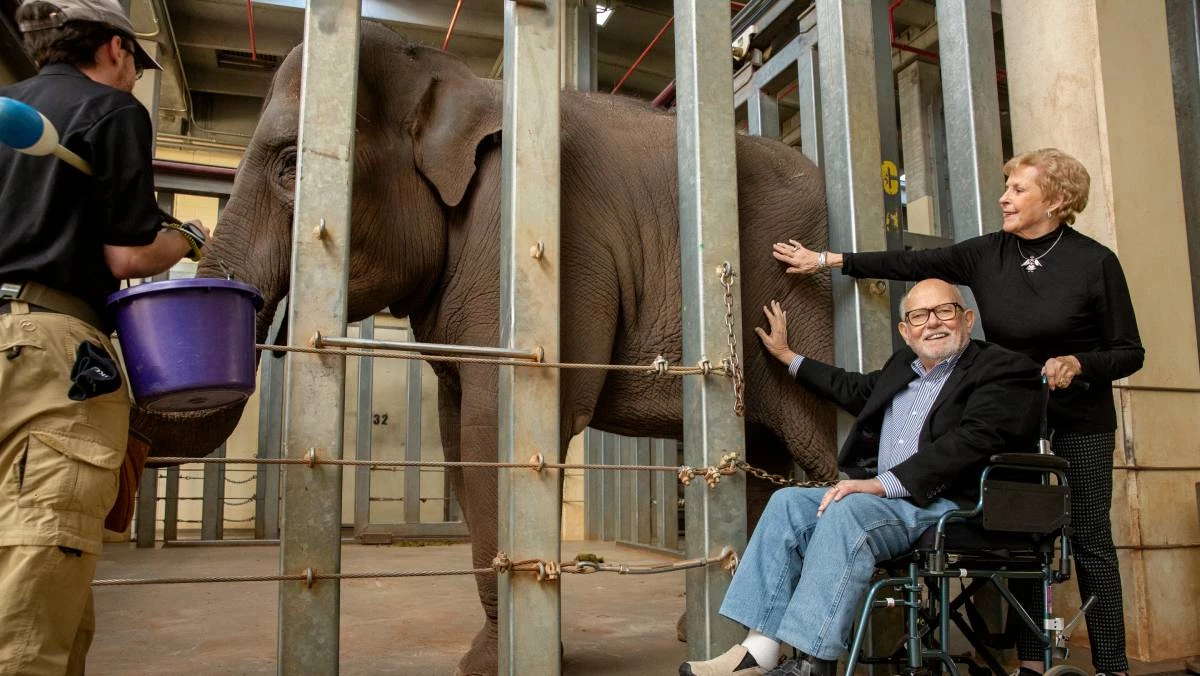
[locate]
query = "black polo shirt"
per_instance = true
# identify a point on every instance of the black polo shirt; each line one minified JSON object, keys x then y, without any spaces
{"x":54,"y":219}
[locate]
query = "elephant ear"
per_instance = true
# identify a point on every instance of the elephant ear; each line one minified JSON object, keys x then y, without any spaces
{"x":457,"y":112}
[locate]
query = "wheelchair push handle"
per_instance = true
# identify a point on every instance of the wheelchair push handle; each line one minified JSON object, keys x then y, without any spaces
{"x":1044,"y":423}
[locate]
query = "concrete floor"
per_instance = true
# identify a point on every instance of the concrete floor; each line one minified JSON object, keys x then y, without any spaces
{"x":613,"y":625}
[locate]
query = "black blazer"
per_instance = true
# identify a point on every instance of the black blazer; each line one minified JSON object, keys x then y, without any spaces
{"x":990,"y":404}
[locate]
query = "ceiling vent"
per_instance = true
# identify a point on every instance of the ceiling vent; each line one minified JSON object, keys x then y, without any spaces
{"x":227,"y":58}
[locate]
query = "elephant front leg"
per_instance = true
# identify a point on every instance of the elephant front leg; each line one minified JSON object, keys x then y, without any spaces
{"x":478,"y":439}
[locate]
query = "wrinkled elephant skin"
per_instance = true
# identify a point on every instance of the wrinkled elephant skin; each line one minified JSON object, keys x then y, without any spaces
{"x":425,"y":243}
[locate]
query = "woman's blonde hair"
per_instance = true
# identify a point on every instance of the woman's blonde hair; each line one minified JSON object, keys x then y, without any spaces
{"x":1060,"y":177}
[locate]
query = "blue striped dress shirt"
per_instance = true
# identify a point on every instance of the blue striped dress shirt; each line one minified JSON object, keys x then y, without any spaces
{"x":903,"y":420}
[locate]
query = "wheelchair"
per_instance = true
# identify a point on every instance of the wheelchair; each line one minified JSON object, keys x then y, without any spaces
{"x":1017,"y":530}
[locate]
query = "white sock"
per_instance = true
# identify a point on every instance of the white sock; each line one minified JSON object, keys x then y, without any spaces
{"x":764,"y":649}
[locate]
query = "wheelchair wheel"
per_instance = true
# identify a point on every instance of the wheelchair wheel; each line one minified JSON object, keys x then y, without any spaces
{"x":1065,"y":670}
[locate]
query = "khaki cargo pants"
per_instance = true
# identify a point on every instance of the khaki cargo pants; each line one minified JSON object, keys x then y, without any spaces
{"x":59,"y":466}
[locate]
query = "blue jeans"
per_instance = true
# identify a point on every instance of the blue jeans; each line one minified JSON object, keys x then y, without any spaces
{"x":802,"y":577}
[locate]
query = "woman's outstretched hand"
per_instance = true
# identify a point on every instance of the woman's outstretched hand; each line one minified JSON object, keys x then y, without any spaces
{"x":800,"y":261}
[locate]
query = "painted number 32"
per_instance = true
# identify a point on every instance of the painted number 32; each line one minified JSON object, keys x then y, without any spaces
{"x":379,"y":419}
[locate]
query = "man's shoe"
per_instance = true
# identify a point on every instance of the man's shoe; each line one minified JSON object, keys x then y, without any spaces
{"x":737,"y":661}
{"x":805,"y":666}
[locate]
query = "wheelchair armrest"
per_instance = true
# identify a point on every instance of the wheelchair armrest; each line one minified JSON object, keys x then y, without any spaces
{"x":1029,"y":460}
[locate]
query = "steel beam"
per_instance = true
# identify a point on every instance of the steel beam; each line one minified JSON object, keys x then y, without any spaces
{"x":851,"y":158}
{"x":212,"y":509}
{"x":762,"y":113}
{"x":644,"y":531}
{"x":580,"y":52}
{"x":972,"y":112}
{"x":363,"y":447}
{"x":627,"y":526}
{"x":666,"y":496}
{"x":310,"y":532}
{"x":889,"y":151}
{"x":708,"y":242}
{"x":530,"y":511}
{"x":171,"y":505}
{"x":412,"y":443}
{"x":147,"y":508}
{"x":593,"y":486}
{"x":270,"y":439}
{"x":609,"y":451}
{"x":808,"y":87}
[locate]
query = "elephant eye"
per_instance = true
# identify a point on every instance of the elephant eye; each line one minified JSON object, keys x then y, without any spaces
{"x":285,"y":173}
{"x":287,"y":164}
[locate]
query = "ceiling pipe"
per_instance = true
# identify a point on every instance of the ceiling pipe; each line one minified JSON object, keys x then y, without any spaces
{"x":1001,"y":75}
{"x":662,"y":31}
{"x":667,"y":96}
{"x":250,"y":18}
{"x":450,"y":30}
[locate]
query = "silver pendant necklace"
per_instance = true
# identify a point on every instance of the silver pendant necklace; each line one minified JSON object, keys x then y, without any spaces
{"x":1032,"y":263}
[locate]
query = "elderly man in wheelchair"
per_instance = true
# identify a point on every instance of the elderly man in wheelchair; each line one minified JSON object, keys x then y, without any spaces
{"x":941,"y":435}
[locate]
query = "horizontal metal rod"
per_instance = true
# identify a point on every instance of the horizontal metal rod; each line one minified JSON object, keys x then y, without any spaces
{"x":1156,"y":388}
{"x":426,"y":348}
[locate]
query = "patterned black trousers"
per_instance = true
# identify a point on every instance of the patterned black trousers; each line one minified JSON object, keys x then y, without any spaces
{"x":1090,"y":479}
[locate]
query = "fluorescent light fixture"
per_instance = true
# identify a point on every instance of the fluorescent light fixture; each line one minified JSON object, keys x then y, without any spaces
{"x":602,"y":15}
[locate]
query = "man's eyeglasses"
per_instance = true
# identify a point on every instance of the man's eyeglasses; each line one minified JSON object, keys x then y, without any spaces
{"x":138,"y":69}
{"x":945,"y":312}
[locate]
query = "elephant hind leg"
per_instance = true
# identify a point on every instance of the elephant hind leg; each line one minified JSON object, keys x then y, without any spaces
{"x":483,"y":657}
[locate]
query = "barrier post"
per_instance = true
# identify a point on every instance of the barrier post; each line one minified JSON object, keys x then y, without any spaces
{"x":530,"y":502}
{"x":310,"y":533}
{"x":708,"y":240}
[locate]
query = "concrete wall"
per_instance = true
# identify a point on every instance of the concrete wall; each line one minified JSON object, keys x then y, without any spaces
{"x":1093,"y":78}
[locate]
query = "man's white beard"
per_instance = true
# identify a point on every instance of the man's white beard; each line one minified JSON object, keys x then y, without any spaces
{"x":950,"y":346}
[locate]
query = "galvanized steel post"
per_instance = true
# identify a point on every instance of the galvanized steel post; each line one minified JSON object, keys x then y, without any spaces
{"x":972,"y":112}
{"x":853,"y":177}
{"x":708,"y":241}
{"x":530,"y":503}
{"x":364,"y":433}
{"x":315,"y":389}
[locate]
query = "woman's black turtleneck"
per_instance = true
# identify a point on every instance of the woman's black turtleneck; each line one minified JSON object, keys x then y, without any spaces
{"x":1075,"y":303}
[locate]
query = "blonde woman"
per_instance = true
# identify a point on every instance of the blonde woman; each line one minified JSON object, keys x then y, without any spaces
{"x":1058,"y":296}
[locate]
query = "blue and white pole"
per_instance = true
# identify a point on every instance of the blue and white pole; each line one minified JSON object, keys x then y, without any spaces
{"x":26,"y":130}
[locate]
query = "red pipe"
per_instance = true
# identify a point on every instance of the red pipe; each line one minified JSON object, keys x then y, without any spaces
{"x":662,"y":31}
{"x":665,"y":97}
{"x":1001,"y":76}
{"x":250,"y":17}
{"x":450,"y":30}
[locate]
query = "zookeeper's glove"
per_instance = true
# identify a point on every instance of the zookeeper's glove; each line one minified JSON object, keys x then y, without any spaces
{"x":192,"y":233}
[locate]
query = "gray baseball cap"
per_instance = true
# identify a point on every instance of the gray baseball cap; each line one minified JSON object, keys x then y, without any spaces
{"x":107,"y":12}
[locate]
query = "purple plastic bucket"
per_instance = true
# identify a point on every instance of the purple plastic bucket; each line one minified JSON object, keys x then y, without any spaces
{"x":188,"y":343}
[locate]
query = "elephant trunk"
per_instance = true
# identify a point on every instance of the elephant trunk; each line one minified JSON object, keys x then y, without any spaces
{"x":194,"y":434}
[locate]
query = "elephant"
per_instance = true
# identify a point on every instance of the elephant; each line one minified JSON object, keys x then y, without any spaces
{"x":425,"y":228}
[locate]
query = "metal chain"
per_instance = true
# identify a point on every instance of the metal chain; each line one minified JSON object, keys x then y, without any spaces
{"x":734,"y":366}
{"x":776,"y":479}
